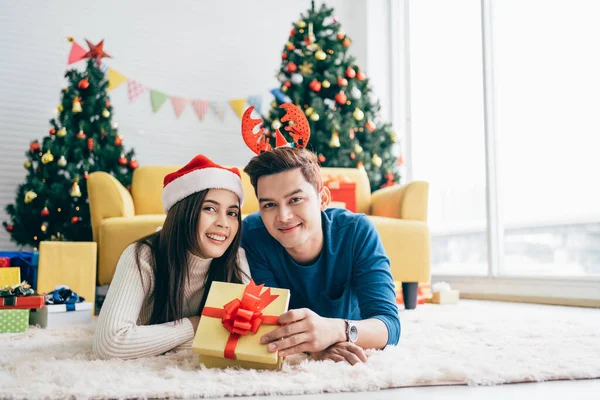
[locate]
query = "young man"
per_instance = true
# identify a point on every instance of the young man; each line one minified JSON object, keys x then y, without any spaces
{"x":332,"y":261}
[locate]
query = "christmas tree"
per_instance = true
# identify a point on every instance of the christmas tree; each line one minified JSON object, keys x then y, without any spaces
{"x":52,"y":204}
{"x":319,"y":75}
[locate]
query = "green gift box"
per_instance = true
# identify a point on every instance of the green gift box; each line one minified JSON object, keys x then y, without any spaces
{"x":14,"y":320}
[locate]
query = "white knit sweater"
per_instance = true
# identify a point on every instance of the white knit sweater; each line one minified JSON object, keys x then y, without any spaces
{"x":123,"y":330}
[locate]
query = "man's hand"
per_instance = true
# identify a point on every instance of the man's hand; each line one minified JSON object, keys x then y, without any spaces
{"x":343,"y":351}
{"x":304,"y":330}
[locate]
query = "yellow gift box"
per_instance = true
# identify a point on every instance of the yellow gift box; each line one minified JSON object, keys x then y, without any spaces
{"x":10,"y":276}
{"x":233,"y":320}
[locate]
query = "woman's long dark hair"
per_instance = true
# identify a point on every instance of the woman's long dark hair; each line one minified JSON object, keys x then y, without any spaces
{"x":170,"y":248}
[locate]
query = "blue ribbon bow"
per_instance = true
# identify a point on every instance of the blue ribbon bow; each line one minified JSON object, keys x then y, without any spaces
{"x":64,"y":295}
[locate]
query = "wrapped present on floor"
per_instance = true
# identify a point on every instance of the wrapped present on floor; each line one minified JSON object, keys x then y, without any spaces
{"x":233,"y":320}
{"x":27,"y":261}
{"x":4,"y":262}
{"x":14,"y":321}
{"x":63,"y":307}
{"x":443,"y":294}
{"x":19,"y":296}
{"x":423,"y":292}
{"x":343,"y":191}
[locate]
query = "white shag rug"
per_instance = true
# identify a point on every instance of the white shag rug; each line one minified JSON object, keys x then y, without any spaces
{"x":475,"y":343}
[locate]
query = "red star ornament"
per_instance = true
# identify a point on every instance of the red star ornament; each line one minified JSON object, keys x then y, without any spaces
{"x":96,"y":51}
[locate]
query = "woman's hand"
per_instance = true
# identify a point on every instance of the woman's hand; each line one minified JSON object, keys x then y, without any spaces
{"x":343,"y":351}
{"x":195,"y":321}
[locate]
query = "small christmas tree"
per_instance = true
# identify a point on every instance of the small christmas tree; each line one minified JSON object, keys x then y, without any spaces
{"x":318,"y":74}
{"x":52,"y":204}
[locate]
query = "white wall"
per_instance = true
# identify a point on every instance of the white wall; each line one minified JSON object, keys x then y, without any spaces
{"x":214,"y":50}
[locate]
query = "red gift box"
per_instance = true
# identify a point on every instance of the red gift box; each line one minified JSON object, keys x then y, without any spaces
{"x":4,"y":262}
{"x":342,"y":190}
{"x":21,"y":302}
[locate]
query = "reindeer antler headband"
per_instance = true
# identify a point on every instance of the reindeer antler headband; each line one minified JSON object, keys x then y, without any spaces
{"x":259,"y":143}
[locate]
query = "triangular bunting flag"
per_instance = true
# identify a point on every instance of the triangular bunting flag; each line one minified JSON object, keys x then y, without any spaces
{"x":218,"y":108}
{"x":157,"y":99}
{"x":200,"y":106}
{"x":237,"y":105}
{"x":135,"y":89}
{"x":255,"y":101}
{"x":77,"y":53}
{"x":179,"y":104}
{"x":115,"y":79}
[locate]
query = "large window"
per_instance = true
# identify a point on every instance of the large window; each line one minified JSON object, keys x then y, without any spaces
{"x":546,"y":133}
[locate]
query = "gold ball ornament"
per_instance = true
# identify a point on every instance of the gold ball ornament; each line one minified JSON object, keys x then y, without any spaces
{"x":326,"y":84}
{"x":105,"y":113}
{"x":314,"y":117}
{"x":30,"y":196}
{"x":276,"y":124}
{"x":320,"y":55}
{"x":357,"y":148}
{"x":44,"y":227}
{"x":62,"y":132}
{"x":27,"y":164}
{"x":47,"y":158}
{"x":60,"y":108}
{"x":358,"y":114}
{"x":393,"y":137}
{"x":376,"y":160}
{"x":62,"y":162}
{"x":301,"y":24}
{"x":77,"y":106}
{"x":309,"y":111}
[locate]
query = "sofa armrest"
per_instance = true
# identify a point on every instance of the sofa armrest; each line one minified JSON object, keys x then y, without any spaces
{"x":408,"y":201}
{"x":108,"y":199}
{"x":115,"y":234}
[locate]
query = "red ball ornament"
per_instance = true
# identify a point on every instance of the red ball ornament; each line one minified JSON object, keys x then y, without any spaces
{"x":370,"y":126}
{"x":133,"y":164}
{"x":107,"y":103}
{"x":341,"y":98}
{"x":287,"y":84}
{"x":80,"y":135}
{"x":52,"y":131}
{"x":352,"y":156}
{"x":350,"y":73}
{"x":346,"y":42}
{"x":85,"y":175}
{"x":361,"y":76}
{"x":321,"y":158}
{"x":90,"y":144}
{"x":74,"y":220}
{"x":34,"y":146}
{"x":84,"y":84}
{"x":340,"y":36}
{"x":315,"y":85}
{"x":284,"y":56}
{"x":9,"y":228}
{"x":292,"y":32}
{"x":342,"y":81}
{"x":122,"y":160}
{"x":290,"y":46}
{"x":45,"y":212}
{"x":291,"y":67}
{"x":118,"y":140}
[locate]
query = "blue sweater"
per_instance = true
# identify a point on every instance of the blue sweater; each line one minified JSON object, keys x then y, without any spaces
{"x":351,"y":278}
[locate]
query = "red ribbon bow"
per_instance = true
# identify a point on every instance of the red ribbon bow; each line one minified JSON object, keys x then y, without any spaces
{"x":245,"y":316}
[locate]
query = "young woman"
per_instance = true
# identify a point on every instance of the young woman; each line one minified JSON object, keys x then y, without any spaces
{"x":161,"y":282}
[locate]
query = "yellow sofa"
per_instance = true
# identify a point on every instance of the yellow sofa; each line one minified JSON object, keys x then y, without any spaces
{"x":120,"y":217}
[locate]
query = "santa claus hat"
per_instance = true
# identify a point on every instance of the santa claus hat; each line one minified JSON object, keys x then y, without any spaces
{"x":200,"y":174}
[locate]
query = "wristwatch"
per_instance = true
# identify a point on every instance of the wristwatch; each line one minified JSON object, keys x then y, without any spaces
{"x":351,"y":332}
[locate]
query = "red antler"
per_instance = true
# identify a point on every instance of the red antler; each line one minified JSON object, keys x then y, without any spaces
{"x":300,"y":130}
{"x":257,"y":142}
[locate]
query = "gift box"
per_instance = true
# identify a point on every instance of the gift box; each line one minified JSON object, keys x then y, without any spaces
{"x":21,"y":302}
{"x":343,"y":191}
{"x":27,"y":261}
{"x":233,"y":320}
{"x":14,"y":321}
{"x":423,"y":292}
{"x":10,"y":276}
{"x":56,"y":315}
{"x":4,"y":262}
{"x":444,"y":294}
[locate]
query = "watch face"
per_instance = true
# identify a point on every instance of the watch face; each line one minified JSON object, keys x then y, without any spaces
{"x":353,"y":334}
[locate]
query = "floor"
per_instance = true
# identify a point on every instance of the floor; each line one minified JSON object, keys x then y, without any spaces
{"x":576,"y":390}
